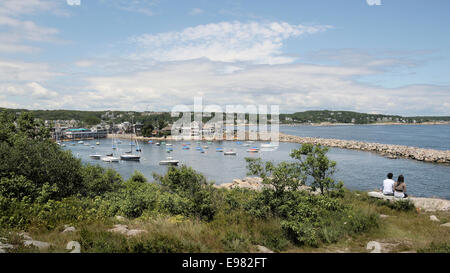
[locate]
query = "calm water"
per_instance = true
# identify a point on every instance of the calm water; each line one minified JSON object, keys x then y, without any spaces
{"x":358,"y":170}
{"x":423,"y":136}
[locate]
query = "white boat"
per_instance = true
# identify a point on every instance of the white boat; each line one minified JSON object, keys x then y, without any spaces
{"x":268,"y":145}
{"x":97,"y":143}
{"x":80,"y":142}
{"x":110,"y":159}
{"x":168,"y":144}
{"x":169,"y":161}
{"x":95,"y":156}
{"x":130,"y":157}
{"x":63,"y":145}
{"x":230,"y":152}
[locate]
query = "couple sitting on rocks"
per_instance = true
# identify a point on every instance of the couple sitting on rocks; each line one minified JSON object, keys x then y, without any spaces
{"x":392,"y":188}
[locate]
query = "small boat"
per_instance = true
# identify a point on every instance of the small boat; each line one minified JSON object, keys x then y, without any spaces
{"x":169,"y":161}
{"x":73,"y":144}
{"x":110,"y":159}
{"x":219,"y":150}
{"x":92,"y":147}
{"x":186,"y":148}
{"x":128,"y":152}
{"x":63,"y":145}
{"x":109,"y":154}
{"x":198,"y":148}
{"x":267,"y":145}
{"x":230,"y":152}
{"x":95,"y":156}
{"x":163,"y":142}
{"x":238,"y":142}
{"x":158,"y":144}
{"x":168,"y":144}
{"x":130,"y":157}
{"x":205,"y":147}
{"x":80,"y":142}
{"x":86,"y":144}
{"x":150,"y":142}
{"x":97,"y":143}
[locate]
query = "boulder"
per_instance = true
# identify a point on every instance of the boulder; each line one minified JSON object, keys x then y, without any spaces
{"x":123,"y":229}
{"x":69,"y":229}
{"x":40,"y":245}
{"x":434,"y":218}
{"x":263,"y":249}
{"x":74,"y":246}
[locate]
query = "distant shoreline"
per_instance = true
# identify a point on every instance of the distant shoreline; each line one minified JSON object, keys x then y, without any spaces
{"x":387,"y":150}
{"x":367,"y":124}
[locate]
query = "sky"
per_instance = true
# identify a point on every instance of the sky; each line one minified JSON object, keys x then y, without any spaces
{"x":372,"y":56}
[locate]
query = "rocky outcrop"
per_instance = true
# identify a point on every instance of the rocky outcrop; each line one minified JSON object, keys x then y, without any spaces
{"x":426,"y":204}
{"x":256,"y":183}
{"x":123,"y":229}
{"x":252,"y":183}
{"x":388,"y":150}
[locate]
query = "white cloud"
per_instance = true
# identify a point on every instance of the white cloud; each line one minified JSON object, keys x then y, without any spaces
{"x":18,"y":30}
{"x":40,"y":92}
{"x":195,"y":11}
{"x":294,"y":87}
{"x":17,"y":71}
{"x":84,"y":63}
{"x":73,"y":2}
{"x":373,"y":2}
{"x":226,"y":41}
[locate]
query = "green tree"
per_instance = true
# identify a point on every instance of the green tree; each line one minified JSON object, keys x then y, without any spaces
{"x":315,"y":164}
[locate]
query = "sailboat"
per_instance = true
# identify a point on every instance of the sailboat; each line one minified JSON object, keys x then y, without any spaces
{"x":128,"y":156}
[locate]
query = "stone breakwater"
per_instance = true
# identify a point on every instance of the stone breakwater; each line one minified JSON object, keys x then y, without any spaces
{"x":388,"y":150}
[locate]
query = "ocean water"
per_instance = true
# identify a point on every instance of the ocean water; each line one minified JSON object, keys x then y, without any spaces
{"x":358,"y":170}
{"x":423,"y":136}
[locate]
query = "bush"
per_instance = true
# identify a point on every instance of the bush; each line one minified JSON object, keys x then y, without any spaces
{"x":187,"y":185}
{"x":436,"y":247}
{"x":102,"y":242}
{"x":17,"y":186}
{"x":97,"y":180}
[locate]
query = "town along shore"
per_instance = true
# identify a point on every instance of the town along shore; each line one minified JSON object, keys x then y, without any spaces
{"x":388,"y":150}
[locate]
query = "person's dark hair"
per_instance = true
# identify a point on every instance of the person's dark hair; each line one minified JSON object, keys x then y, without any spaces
{"x":390,"y":175}
{"x":400,"y":179}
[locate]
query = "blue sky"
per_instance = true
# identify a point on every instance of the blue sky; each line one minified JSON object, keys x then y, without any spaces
{"x":364,"y":55}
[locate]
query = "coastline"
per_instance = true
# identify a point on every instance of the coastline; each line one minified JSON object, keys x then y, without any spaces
{"x":387,"y":150}
{"x":367,"y":124}
{"x":427,"y":204}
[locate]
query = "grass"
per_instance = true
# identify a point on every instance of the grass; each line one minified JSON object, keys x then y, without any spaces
{"x":237,"y":231}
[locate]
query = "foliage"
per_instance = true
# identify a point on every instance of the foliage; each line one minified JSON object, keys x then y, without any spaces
{"x":190,"y":185}
{"x":314,"y":163}
{"x":436,"y":247}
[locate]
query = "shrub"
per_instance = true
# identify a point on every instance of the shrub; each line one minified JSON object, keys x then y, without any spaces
{"x":102,"y":242}
{"x":97,"y":180}
{"x":436,"y":247}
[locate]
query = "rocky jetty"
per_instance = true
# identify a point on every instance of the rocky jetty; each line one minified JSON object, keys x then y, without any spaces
{"x":388,"y":150}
